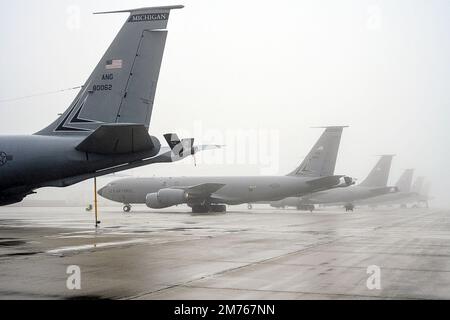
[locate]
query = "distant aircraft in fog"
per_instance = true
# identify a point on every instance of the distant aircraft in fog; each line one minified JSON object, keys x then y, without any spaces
{"x":374,"y":185}
{"x":415,"y":195}
{"x":105,"y":129}
{"x":204,"y":194}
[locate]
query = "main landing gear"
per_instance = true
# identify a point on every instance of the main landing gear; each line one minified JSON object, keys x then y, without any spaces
{"x":306,"y":207}
{"x":126,"y":208}
{"x":209,"y":208}
{"x":349,"y":207}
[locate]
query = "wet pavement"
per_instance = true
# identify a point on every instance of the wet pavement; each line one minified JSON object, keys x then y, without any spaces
{"x":259,"y":254}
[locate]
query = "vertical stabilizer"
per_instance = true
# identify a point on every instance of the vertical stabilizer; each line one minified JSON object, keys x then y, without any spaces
{"x":405,"y":181}
{"x":425,"y":190}
{"x":379,"y":175}
{"x":122,"y":87}
{"x":321,"y":160}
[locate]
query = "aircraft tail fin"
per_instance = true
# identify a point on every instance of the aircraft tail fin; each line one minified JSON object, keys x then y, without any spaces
{"x":379,"y":175}
{"x":425,"y":190}
{"x":418,"y":185}
{"x":321,"y":160}
{"x":405,"y":181}
{"x":122,"y":87}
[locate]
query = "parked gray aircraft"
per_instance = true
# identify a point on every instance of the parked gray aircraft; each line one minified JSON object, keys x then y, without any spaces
{"x":404,"y":192}
{"x":415,"y":195}
{"x":204,"y":194}
{"x":373,"y":185}
{"x":105,"y":129}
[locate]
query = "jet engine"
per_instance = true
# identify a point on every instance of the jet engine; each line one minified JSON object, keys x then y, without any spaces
{"x":165,"y":198}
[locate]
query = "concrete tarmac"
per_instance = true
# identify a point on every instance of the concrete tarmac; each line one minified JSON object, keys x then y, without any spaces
{"x":259,"y":254}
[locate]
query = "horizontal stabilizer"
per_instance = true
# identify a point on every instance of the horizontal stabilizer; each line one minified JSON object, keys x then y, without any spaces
{"x":117,"y":139}
{"x":172,"y":140}
{"x":165,"y":155}
{"x":180,"y":148}
{"x":187,"y":144}
{"x":324,"y":183}
{"x":383,"y":190}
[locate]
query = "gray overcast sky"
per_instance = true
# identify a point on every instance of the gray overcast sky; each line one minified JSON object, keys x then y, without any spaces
{"x":261,"y":67}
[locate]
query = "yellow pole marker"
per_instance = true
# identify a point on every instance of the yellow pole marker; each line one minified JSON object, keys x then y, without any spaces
{"x":96,"y":203}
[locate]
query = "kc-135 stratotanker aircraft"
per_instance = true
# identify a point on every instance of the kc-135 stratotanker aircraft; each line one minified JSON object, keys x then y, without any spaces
{"x":415,"y":194}
{"x":374,"y":185}
{"x":212,"y":194}
{"x":105,"y":129}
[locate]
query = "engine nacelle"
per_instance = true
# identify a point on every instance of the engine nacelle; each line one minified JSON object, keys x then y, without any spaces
{"x":165,"y":198}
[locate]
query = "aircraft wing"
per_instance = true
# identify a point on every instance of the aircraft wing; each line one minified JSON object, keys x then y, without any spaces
{"x":204,"y":190}
{"x":207,"y":191}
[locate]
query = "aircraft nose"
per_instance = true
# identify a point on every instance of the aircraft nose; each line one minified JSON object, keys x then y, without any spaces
{"x":101,"y":191}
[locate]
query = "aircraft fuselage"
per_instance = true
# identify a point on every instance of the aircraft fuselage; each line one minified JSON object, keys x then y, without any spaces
{"x":32,"y":161}
{"x":338,"y":196}
{"x":236,"y":190}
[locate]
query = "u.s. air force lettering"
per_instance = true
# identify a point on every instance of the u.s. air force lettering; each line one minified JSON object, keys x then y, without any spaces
{"x":148,"y":17}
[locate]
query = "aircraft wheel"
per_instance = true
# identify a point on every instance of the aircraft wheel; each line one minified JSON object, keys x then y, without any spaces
{"x":349,"y":207}
{"x":249,"y":207}
{"x":126,"y":208}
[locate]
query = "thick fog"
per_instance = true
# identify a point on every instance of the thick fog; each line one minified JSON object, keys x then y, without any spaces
{"x":255,"y":76}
